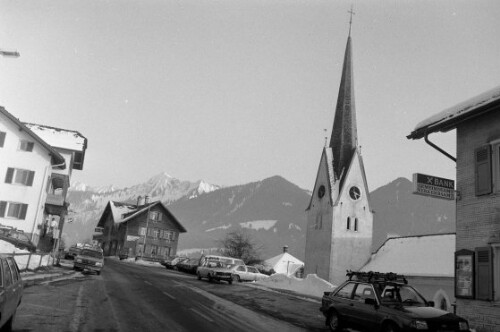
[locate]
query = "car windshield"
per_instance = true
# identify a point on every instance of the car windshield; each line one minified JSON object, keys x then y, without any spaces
{"x":92,"y":253}
{"x":403,"y":294}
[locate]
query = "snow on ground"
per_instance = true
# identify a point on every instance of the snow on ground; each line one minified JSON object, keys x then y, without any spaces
{"x":24,"y":257}
{"x":312,"y":285}
{"x":259,"y":224}
{"x":220,"y":227}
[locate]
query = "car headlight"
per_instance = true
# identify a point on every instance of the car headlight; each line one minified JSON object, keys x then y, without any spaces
{"x":419,"y":324}
{"x":463,"y":326}
{"x":98,"y":264}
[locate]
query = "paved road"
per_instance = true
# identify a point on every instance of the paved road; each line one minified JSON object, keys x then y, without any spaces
{"x":128,"y":297}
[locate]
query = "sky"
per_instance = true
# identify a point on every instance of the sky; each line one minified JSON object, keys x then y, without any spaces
{"x":237,"y":91}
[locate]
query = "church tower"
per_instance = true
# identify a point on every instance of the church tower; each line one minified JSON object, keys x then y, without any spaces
{"x":339,"y":218}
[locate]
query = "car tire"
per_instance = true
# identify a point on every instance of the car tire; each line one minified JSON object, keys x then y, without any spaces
{"x":237,"y":278}
{"x":390,"y":327}
{"x":199,"y":276}
{"x":9,"y":324}
{"x":333,"y":321}
{"x":209,"y":278}
{"x":230,"y":281}
{"x":98,"y":273}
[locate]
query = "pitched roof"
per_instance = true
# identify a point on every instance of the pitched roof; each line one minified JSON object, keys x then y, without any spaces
{"x":60,"y":138}
{"x":284,"y":263}
{"x":424,"y":255}
{"x":449,"y":118}
{"x":122,"y":212}
{"x":57,"y":159}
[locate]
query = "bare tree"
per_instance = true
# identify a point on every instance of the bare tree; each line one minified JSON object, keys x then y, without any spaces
{"x":240,"y":244}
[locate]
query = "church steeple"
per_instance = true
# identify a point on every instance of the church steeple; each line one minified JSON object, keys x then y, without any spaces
{"x":344,"y":137}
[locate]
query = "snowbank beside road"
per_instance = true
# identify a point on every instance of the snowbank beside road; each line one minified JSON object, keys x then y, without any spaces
{"x":312,"y":285}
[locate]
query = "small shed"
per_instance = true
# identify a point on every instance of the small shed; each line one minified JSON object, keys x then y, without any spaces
{"x":284,"y":263}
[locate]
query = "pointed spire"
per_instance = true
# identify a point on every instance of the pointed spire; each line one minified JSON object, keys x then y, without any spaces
{"x":344,"y":137}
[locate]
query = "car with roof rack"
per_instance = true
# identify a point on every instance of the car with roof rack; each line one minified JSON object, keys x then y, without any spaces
{"x":372,"y":301}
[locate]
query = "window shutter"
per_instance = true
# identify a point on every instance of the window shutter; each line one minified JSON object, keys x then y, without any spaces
{"x":482,"y":157}
{"x":484,"y":274}
{"x":3,"y":207}
{"x":2,"y":139}
{"x":22,"y":211}
{"x":31,"y":176}
{"x":10,"y":175}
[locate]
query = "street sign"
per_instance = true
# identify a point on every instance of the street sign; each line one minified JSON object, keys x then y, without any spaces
{"x":428,"y":185}
{"x":133,"y":238}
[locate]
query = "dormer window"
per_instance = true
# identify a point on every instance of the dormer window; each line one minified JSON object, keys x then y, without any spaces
{"x":78,"y":160}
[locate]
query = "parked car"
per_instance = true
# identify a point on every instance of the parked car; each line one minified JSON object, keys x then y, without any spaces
{"x":246,"y":273}
{"x":215,"y":271}
{"x":89,"y":258}
{"x":384,"y":302}
{"x":223,"y":259}
{"x":171,"y":262}
{"x":73,"y":251}
{"x":189,"y":266}
{"x":11,"y":291}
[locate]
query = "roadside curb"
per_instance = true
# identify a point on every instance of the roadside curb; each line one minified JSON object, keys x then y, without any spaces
{"x":286,"y":292}
{"x":33,"y":280}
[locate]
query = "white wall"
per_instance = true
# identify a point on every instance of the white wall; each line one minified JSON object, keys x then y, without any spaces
{"x":38,"y":161}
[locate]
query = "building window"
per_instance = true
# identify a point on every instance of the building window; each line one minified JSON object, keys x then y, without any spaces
{"x":348,"y":223}
{"x":156,"y":232}
{"x":26,"y":146}
{"x":496,"y":165}
{"x":13,"y":210}
{"x":355,"y":224}
{"x":142,"y":231}
{"x":78,"y":160}
{"x":19,"y":176}
{"x":155,"y":216}
{"x":319,"y":221}
{"x":2,"y":138}
{"x":484,"y":273}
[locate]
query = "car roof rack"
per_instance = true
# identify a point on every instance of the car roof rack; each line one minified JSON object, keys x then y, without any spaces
{"x":376,"y":276}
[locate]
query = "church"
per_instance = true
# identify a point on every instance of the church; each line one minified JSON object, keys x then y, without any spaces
{"x":339,"y":218}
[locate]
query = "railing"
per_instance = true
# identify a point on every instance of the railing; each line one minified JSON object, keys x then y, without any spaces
{"x":33,"y":261}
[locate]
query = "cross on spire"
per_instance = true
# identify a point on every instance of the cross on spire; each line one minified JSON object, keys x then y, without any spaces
{"x":350,"y":19}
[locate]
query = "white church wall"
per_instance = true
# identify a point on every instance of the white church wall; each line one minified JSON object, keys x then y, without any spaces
{"x":351,"y":248}
{"x":319,"y":226}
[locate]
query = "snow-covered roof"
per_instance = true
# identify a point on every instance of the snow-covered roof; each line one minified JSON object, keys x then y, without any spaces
{"x":284,"y":263}
{"x":425,"y":255}
{"x":59,"y":138}
{"x":57,"y":159}
{"x":450,"y":117}
{"x":123,"y":212}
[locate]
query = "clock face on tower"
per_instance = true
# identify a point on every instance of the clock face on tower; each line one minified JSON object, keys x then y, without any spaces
{"x":321,"y":191}
{"x":355,"y":193}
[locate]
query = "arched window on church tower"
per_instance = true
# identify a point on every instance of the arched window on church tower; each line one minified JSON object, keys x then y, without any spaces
{"x":348,"y":223}
{"x":356,"y":224}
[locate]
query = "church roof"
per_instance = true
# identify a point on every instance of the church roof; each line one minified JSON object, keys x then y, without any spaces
{"x":344,"y":133}
{"x":423,"y":255}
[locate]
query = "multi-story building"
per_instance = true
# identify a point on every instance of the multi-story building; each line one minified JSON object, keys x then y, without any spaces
{"x":71,"y":145}
{"x":26,"y":165}
{"x":477,"y":256}
{"x":139,"y":230}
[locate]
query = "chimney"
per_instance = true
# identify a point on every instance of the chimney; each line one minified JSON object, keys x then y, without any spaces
{"x":285,"y":249}
{"x":140,"y":201}
{"x":146,"y":199}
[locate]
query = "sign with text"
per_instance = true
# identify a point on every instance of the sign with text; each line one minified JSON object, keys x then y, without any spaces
{"x":433,"y":186}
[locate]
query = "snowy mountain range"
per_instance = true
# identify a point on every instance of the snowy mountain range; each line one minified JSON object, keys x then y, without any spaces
{"x":272,"y":211}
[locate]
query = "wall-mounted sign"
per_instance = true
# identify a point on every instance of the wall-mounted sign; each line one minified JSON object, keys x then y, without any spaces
{"x":434,"y":186}
{"x":133,"y":238}
{"x":464,"y":274}
{"x":98,"y":230}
